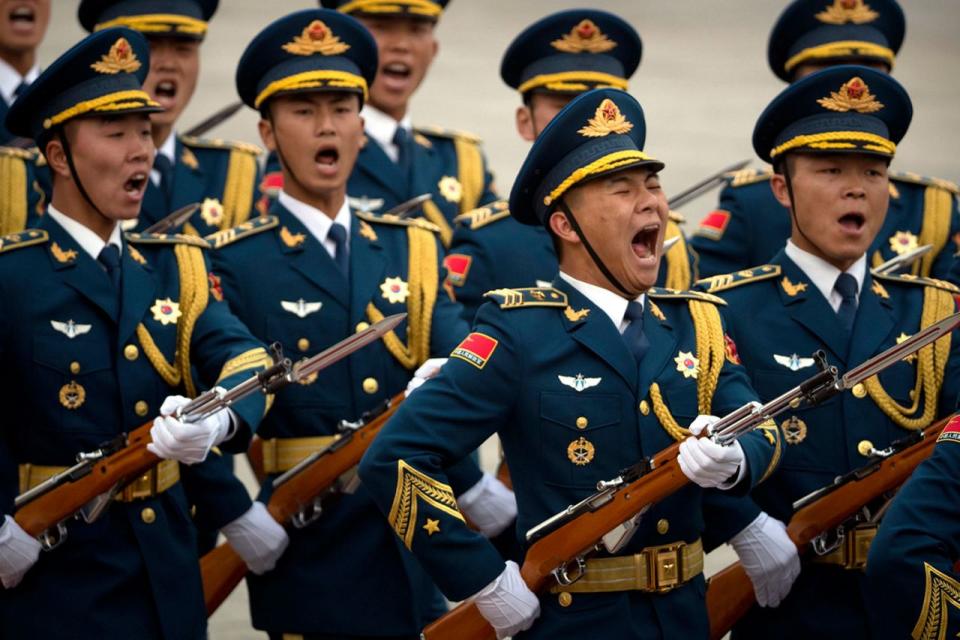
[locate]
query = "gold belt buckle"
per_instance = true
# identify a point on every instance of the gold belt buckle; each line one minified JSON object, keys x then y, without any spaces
{"x":858,"y":546}
{"x":665,"y":566}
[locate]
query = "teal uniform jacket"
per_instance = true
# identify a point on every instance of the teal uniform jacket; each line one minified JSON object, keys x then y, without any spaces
{"x":24,"y":189}
{"x":778,"y":318}
{"x":345,"y":574}
{"x":912,"y":584}
{"x":222,"y":177}
{"x":559,"y":442}
{"x":750,"y":226}
{"x":84,"y":378}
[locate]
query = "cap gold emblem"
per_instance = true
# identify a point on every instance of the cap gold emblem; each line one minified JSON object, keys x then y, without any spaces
{"x":844,"y":11}
{"x":854,"y":95}
{"x":120,"y":59}
{"x":316,"y":37}
{"x":586,"y":37}
{"x":606,"y":120}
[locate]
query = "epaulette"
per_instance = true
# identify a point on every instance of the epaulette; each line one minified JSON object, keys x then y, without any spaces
{"x":686,"y":294}
{"x":22,"y":239}
{"x":395,"y":220}
{"x":916,"y":178}
{"x":528,"y":297}
{"x":441,"y":132}
{"x":17,"y":152}
{"x":217,"y":143}
{"x":482,"y":216}
{"x":748,"y":176}
{"x":726,"y":281}
{"x":249,"y":228}
{"x":166,"y":238}
{"x":676,"y":217}
{"x":909,"y":278}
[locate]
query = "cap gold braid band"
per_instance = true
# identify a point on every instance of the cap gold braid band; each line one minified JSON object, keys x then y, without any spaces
{"x":418,"y":7}
{"x":112,"y":102}
{"x":573,"y":81}
{"x":317,"y":79}
{"x":159,"y":23}
{"x":609,"y":162}
{"x":834,"y":140}
{"x":843,"y":48}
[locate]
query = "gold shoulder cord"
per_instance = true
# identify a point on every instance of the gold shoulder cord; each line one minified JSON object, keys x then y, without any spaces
{"x":931,"y":366}
{"x":937,"y":206}
{"x":433,"y":214}
{"x":194,"y":296}
{"x":238,"y":188}
{"x":470,"y":168}
{"x":424,"y":280}
{"x":13,"y":195}
{"x":678,"y":267}
{"x":710,"y":352}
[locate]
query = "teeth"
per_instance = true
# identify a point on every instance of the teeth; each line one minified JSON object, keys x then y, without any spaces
{"x":396,"y":67}
{"x":22,"y":12}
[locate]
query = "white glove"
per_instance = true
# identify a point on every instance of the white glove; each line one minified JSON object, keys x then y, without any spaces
{"x":769,"y":557}
{"x":507,"y":603}
{"x":423,"y":373}
{"x":258,"y":538}
{"x":707,"y":463}
{"x":18,"y":552}
{"x":186,"y":442}
{"x":489,"y":505}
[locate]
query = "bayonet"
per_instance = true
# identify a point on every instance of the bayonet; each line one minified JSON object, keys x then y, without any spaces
{"x":904,"y":260}
{"x":172,"y":221}
{"x":705,"y":185}
{"x":212,"y":121}
{"x":408,"y":208}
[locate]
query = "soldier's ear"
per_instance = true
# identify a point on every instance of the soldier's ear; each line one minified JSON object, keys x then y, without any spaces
{"x":778,"y":184}
{"x":561,"y":228}
{"x":265,"y":127}
{"x":57,"y":157}
{"x":525,"y":123}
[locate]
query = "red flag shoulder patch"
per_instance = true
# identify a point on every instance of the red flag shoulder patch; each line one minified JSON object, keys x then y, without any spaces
{"x":476,"y":349}
{"x":730,"y":348}
{"x":457,"y":266}
{"x":951,"y":432}
{"x":714,"y":224}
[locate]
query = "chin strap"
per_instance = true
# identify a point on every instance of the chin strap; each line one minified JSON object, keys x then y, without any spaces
{"x":62,"y":136}
{"x":562,"y":203}
{"x":280,"y":154}
{"x":793,"y":203}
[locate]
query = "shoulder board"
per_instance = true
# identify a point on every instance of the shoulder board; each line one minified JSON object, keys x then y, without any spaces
{"x":249,"y":228}
{"x":440,"y":132}
{"x":916,"y":178}
{"x":22,"y":239}
{"x":166,"y":238}
{"x":482,"y":216}
{"x":217,"y":143}
{"x":908,"y":278}
{"x":677,"y":217}
{"x":394,"y":220}
{"x":528,"y":297}
{"x":725,"y":281}
{"x":748,"y":176}
{"x":677,"y":294}
{"x":16,"y":152}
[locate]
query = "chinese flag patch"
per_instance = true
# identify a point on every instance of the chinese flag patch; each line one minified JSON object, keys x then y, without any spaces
{"x":730,"y":348}
{"x":951,"y":432}
{"x":714,"y":224}
{"x":476,"y":349}
{"x":457,"y":266}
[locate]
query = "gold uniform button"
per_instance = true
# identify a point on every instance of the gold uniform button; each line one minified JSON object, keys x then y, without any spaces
{"x":141,"y":408}
{"x":582,"y":422}
{"x":663,"y":525}
{"x":859,"y":391}
{"x":148,"y":515}
{"x":865,"y":447}
{"x":565,"y":598}
{"x":74,"y":367}
{"x":645,"y":407}
{"x":362,"y":326}
{"x":370,"y":385}
{"x":130,"y":352}
{"x":303,"y":344}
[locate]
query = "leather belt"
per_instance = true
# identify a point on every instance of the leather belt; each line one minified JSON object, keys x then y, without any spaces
{"x":653,"y":570}
{"x":853,"y":549}
{"x":282,"y":454}
{"x":152,"y":483}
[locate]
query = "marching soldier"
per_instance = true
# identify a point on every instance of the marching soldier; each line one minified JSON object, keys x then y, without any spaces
{"x":830,"y":138}
{"x":586,"y":377}
{"x":109,"y":330}
{"x":309,"y":274}
{"x":750,"y":226}
{"x":220,"y":176}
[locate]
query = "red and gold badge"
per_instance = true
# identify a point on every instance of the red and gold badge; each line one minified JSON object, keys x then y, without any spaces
{"x":216,"y":290}
{"x":166,"y":311}
{"x":714,"y":224}
{"x":606,"y":119}
{"x":844,"y":11}
{"x":730,"y":350}
{"x":476,"y":349}
{"x":457,"y":266}
{"x":585,"y":37}
{"x":854,"y":95}
{"x":120,"y":59}
{"x":316,"y":37}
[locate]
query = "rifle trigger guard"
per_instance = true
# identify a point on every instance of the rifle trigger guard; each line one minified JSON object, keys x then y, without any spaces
{"x":308,"y":514}
{"x":562,"y":573}
{"x":53,"y":538}
{"x":823,"y":544}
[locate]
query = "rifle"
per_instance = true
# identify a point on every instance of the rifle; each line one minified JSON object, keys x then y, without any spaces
{"x":87,"y":488}
{"x":211,"y":121}
{"x":730,"y":592}
{"x":561,"y":543}
{"x":170,"y":222}
{"x":407,"y":208}
{"x":704,"y":185}
{"x":902,"y":261}
{"x":297,"y":496}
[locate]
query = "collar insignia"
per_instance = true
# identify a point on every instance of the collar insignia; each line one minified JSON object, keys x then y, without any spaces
{"x":575,"y":316}
{"x":395,"y":290}
{"x":136,"y":255}
{"x":165,"y":311}
{"x":792,"y":289}
{"x":301,"y":308}
{"x":188,"y":158}
{"x":62,"y":256}
{"x":292,"y":240}
{"x":316,"y":38}
{"x":793,"y":361}
{"x":578,"y":383}
{"x":70,"y":328}
{"x":120,"y":59}
{"x":656,"y":312}
{"x":687,"y":364}
{"x":606,"y":120}
{"x":586,"y":37}
{"x":844,"y":11}
{"x":854,"y":95}
{"x":903,"y":242}
{"x":366,"y":231}
{"x":879,"y":290}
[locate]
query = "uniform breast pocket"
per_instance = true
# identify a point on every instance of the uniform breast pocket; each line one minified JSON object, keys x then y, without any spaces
{"x":582,"y":439}
{"x":681,"y":399}
{"x":898,"y":381}
{"x":74,"y":378}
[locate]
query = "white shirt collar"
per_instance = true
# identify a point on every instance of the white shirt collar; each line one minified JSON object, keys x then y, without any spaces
{"x":824,"y":275}
{"x":10,"y":79}
{"x":86,"y":238}
{"x":381,"y":128}
{"x":317,"y":222}
{"x":169,"y":150}
{"x":609,"y":302}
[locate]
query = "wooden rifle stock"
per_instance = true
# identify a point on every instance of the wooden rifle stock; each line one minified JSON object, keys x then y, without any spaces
{"x":730,"y":592}
{"x":222,"y":569}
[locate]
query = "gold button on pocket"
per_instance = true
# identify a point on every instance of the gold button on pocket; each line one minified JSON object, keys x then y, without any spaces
{"x":74,"y":367}
{"x":663,"y":525}
{"x":141,"y":408}
{"x":582,"y":422}
{"x":303,"y":344}
{"x":130,"y":352}
{"x":565,"y":599}
{"x":362,"y":326}
{"x":148,"y":515}
{"x":644,"y":407}
{"x":370,"y":385}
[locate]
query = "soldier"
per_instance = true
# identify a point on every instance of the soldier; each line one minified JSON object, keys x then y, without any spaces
{"x":751,"y":226}
{"x":830,"y":138}
{"x":106,"y":330}
{"x":220,"y":176}
{"x":911,"y":586}
{"x":315,"y":272}
{"x":577,"y":400}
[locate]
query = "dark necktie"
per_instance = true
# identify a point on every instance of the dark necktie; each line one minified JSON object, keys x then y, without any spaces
{"x":19,"y":90}
{"x":165,"y":168}
{"x":846,"y":286}
{"x":110,"y":259}
{"x":633,"y":335}
{"x":338,"y":233}
{"x":401,"y":138}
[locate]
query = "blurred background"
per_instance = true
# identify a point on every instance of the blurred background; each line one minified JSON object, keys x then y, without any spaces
{"x":702,"y":82}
